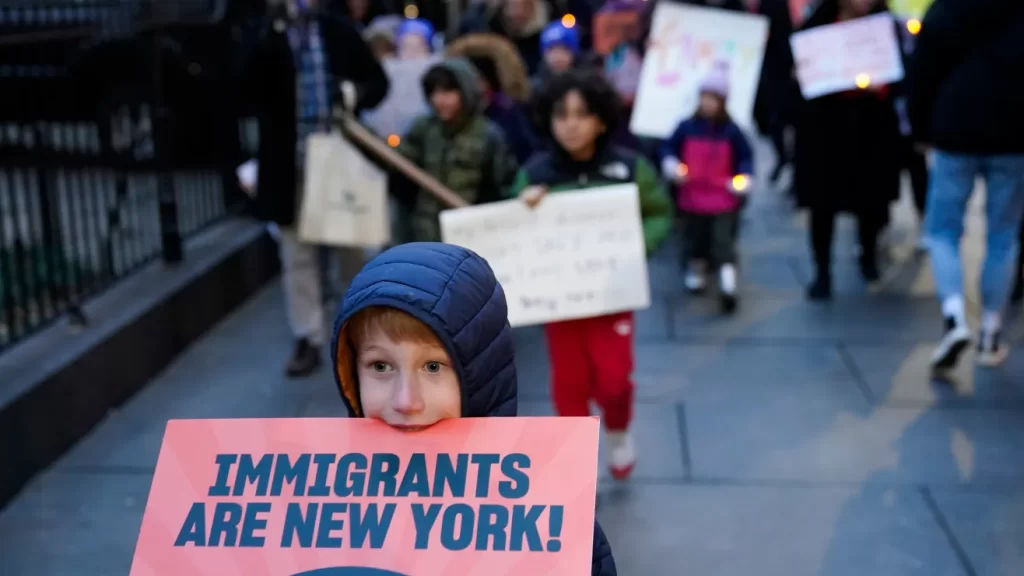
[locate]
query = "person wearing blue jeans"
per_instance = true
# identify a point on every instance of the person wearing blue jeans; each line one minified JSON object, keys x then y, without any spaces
{"x":966,"y":78}
{"x":953,"y":177}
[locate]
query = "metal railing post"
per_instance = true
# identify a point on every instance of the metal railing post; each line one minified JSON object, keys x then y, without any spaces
{"x":170,"y":234}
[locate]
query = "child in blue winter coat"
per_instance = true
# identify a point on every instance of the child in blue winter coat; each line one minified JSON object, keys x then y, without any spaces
{"x":423,"y":335}
{"x":711,"y":163}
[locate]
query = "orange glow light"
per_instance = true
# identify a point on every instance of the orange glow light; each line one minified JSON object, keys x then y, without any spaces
{"x":394,"y":140}
{"x":914,"y":26}
{"x":683,"y":169}
{"x":411,"y":11}
{"x":568,"y":20}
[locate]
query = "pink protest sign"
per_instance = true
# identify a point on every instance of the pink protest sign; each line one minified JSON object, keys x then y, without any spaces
{"x":355,"y":497}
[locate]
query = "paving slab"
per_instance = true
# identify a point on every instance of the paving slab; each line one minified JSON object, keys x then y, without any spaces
{"x":870,"y":319}
{"x":236,"y":371}
{"x":730,"y":373}
{"x":901,"y":375}
{"x":816,"y":442}
{"x":656,"y":429}
{"x":774,"y":531}
{"x":80,"y":524}
{"x":988,"y":527}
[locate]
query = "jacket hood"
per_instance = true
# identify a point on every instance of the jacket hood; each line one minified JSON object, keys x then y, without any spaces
{"x":467,"y":80}
{"x":511,"y":69}
{"x":454,"y":292}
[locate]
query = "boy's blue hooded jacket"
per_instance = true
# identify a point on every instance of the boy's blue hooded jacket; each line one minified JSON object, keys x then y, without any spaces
{"x":455,"y":293}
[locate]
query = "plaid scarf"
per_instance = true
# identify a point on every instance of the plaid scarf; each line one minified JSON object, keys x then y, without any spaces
{"x":312,"y":84}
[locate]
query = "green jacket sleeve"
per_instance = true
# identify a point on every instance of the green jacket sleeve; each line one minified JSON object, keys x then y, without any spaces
{"x":655,"y":206}
{"x":521,"y":182}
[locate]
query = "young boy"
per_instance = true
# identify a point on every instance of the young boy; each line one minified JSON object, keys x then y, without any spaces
{"x":456,"y":144}
{"x":422,"y":336}
{"x":578,"y":111}
{"x":560,"y":47}
{"x":711,"y":163}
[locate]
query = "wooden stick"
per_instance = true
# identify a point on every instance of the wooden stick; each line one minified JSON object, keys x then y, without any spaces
{"x":354,"y":130}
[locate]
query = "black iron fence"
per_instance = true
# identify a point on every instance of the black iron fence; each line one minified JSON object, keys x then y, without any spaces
{"x":103,"y":169}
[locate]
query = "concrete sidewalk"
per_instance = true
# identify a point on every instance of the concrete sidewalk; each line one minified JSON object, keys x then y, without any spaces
{"x":790,"y":440}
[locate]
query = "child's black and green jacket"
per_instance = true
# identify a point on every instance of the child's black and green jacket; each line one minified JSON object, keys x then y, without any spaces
{"x":613,"y":165}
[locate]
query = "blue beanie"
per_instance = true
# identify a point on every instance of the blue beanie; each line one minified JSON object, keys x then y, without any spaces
{"x":419,"y":27}
{"x":557,"y":34}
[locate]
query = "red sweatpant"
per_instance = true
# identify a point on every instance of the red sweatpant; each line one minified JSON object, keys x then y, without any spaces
{"x":593,"y":358}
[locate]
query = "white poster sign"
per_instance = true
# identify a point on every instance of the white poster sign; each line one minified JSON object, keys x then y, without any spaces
{"x":846,"y":56}
{"x":685,"y":43}
{"x":345,"y":197}
{"x":577,"y":254}
{"x":405,"y":100}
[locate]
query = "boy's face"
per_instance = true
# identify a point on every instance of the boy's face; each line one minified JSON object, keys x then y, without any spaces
{"x":574,"y":125}
{"x":446,"y":103}
{"x":558,"y":59}
{"x":408,"y":384}
{"x":412,"y":46}
{"x":710,"y":105}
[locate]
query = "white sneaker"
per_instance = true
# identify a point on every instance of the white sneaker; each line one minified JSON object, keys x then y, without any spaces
{"x":621,"y":454}
{"x":695,"y":281}
{"x":992,"y":350}
{"x":953,"y":343}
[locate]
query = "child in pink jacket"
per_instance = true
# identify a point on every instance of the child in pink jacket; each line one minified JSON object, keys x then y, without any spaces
{"x":711,"y":163}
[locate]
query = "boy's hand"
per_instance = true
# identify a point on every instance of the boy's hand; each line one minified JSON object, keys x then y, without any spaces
{"x":532,"y":195}
{"x":739,"y":184}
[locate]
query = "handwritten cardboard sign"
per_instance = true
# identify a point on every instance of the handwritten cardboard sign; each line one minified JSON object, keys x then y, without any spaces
{"x":837,"y":57}
{"x":686,"y":41}
{"x":345,"y":197}
{"x":405,"y":100}
{"x":576,"y":255}
{"x":284,"y":497}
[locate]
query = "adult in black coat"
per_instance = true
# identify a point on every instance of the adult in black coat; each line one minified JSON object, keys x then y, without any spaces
{"x":269,"y":80}
{"x":777,"y":90}
{"x":846,"y":158}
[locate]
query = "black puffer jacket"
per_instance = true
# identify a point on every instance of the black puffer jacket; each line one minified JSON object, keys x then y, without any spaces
{"x":967,"y":77}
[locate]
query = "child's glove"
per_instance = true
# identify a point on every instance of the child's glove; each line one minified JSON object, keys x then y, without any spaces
{"x":739,"y":184}
{"x":673,"y":170}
